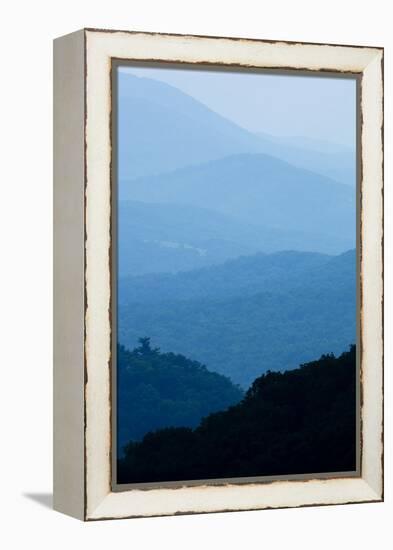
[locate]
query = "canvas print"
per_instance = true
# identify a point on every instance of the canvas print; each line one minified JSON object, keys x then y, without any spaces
{"x":236,"y":274}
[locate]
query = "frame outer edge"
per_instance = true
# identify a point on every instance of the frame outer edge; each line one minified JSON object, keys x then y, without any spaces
{"x":68,"y":271}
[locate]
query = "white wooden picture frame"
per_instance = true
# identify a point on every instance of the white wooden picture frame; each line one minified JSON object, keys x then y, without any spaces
{"x":82,"y":270}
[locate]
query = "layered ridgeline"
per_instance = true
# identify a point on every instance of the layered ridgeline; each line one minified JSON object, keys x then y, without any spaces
{"x":157,"y":389}
{"x":247,"y":315}
{"x":154,"y":136}
{"x":233,"y":206}
{"x":191,"y":199}
{"x":257,"y":189}
{"x":239,"y":205}
{"x":299,"y":422}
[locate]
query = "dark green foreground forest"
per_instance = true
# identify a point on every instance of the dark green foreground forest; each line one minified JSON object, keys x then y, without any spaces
{"x":158,"y":389}
{"x":295,"y":422}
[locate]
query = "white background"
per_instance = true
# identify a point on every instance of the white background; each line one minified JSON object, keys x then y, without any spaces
{"x":28,"y":28}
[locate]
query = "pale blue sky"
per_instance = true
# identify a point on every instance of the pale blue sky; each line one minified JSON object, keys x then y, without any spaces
{"x":314,"y":107}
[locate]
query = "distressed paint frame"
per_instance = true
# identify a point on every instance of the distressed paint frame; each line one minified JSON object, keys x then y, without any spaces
{"x":90,"y":496}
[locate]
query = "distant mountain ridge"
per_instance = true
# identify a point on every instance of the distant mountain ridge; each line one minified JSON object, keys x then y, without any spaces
{"x":312,"y":144}
{"x":328,"y":159}
{"x":176,"y":237}
{"x":154,"y":135}
{"x":163,"y":129}
{"x":258,"y":189}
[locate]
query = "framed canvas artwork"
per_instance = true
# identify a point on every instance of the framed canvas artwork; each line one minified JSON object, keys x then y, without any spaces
{"x":218,"y":274}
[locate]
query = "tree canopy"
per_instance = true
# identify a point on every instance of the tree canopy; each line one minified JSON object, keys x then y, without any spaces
{"x":296,"y":422}
{"x":165,"y":389}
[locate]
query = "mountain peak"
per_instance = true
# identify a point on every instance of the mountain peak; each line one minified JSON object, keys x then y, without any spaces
{"x":161,"y":128}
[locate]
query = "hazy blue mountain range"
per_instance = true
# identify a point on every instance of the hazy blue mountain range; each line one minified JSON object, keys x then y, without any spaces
{"x":235,"y":257}
{"x":274,"y":316}
{"x":163,"y":129}
{"x":176,"y":237}
{"x":258,"y":189}
{"x":166,"y":389}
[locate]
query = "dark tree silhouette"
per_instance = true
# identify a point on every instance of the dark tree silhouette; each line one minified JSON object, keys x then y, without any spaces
{"x":296,"y":422}
{"x":145,"y":347}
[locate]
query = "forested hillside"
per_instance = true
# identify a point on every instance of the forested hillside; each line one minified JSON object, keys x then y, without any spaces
{"x":249,"y":315}
{"x":243,"y":276}
{"x":157,"y":389}
{"x":299,"y":421}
